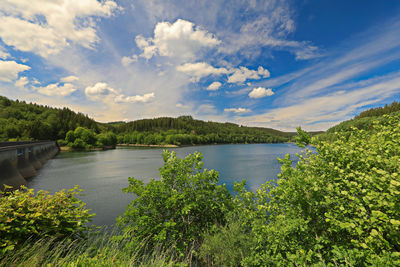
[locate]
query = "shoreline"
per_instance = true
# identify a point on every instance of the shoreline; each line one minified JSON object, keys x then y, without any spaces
{"x":143,"y":145}
{"x":70,"y":149}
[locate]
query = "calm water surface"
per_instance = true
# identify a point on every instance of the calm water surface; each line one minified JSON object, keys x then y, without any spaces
{"x":102,"y":174}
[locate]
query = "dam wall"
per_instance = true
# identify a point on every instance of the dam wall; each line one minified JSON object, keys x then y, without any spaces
{"x":21,"y":160}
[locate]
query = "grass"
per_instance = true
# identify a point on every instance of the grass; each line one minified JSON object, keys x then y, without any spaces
{"x":99,"y":249}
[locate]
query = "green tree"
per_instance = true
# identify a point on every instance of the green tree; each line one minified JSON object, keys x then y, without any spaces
{"x":176,"y":210}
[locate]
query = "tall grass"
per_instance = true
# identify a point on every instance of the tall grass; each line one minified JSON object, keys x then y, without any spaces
{"x":103,"y":248}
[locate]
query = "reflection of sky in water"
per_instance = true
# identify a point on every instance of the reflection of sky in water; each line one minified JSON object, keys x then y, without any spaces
{"x":102,"y":174}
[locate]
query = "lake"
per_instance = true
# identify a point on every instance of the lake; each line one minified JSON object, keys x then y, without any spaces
{"x":102,"y":174}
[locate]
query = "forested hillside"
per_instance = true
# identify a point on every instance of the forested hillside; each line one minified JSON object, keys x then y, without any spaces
{"x":22,"y":121}
{"x":26,"y":121}
{"x":186,"y":130}
{"x":362,"y":121}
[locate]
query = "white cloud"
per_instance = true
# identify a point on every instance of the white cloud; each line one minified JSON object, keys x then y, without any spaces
{"x":21,"y":82}
{"x":9,"y":70}
{"x":178,"y":40}
{"x":69,"y":79}
{"x":50,"y":26}
{"x":126,"y":61}
{"x":134,"y":99}
{"x":319,"y":113}
{"x":242,"y":74}
{"x":55,"y":89}
{"x":214,"y":86}
{"x":99,"y":90}
{"x":179,"y":105}
{"x":266,"y":23}
{"x":237,"y":110}
{"x":3,"y":53}
{"x":207,"y":109}
{"x":200,"y":69}
{"x":260,"y":92}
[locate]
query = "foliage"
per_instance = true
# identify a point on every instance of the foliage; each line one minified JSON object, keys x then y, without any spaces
{"x":23,"y":121}
{"x":26,"y":215}
{"x":303,"y":138}
{"x":176,"y":210}
{"x":185,"y":130}
{"x":106,"y":139}
{"x":338,"y":206}
{"x":379,"y":111}
{"x":83,"y":138}
{"x":98,"y":249}
{"x":363,"y":121}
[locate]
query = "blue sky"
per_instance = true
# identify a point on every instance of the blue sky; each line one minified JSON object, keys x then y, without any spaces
{"x":277,"y":64}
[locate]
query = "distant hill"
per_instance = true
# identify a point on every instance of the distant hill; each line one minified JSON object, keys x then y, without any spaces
{"x":28,"y":121}
{"x":186,"y":130}
{"x":362,"y":121}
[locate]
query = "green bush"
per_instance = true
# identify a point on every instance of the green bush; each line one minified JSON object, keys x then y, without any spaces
{"x":62,"y":142}
{"x":25,"y":215}
{"x":78,"y":143}
{"x":339,"y":206}
{"x":70,"y":137}
{"x":176,"y":210}
{"x":106,"y":139}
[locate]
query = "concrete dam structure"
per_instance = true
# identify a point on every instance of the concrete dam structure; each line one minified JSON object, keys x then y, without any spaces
{"x":20,"y":160}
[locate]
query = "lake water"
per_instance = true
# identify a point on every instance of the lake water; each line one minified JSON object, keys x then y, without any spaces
{"x":102,"y":174}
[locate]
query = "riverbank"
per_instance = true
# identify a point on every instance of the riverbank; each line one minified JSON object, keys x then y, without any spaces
{"x":68,"y":148}
{"x":143,"y":145}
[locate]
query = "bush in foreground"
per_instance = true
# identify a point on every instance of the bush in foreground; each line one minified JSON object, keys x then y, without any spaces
{"x":25,"y":215}
{"x":176,"y":210}
{"x":339,"y":206}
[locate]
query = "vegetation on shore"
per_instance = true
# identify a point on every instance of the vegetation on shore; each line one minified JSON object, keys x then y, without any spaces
{"x":23,"y":121}
{"x":364,"y":120}
{"x":338,"y":206}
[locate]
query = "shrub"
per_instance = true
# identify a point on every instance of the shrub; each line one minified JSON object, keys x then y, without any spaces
{"x":25,"y":215}
{"x":176,"y":210}
{"x":339,"y":206}
{"x":62,"y":142}
{"x":107,"y":139}
{"x":78,"y":143}
{"x":70,"y":136}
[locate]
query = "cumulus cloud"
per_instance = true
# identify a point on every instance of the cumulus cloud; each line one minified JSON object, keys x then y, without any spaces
{"x":69,"y":79}
{"x":9,"y":70}
{"x":103,"y":92}
{"x":237,"y":110}
{"x":260,"y":92}
{"x":50,"y":26}
{"x":214,"y":86}
{"x":134,"y":99}
{"x":180,"y":39}
{"x":55,"y":89}
{"x":242,"y":74}
{"x":200,"y":69}
{"x":99,"y":90}
{"x":126,"y":61}
{"x":21,"y":82}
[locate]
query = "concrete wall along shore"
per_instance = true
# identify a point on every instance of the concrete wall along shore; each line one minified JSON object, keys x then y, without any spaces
{"x":21,"y":160}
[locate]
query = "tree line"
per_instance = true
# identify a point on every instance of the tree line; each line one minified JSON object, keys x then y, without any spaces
{"x":27,"y":121}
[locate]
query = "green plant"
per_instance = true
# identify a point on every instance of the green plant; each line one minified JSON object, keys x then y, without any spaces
{"x":339,"y":205}
{"x":176,"y":210}
{"x":26,"y":215}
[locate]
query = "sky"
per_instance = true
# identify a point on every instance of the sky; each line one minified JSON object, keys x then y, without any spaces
{"x":273,"y":63}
